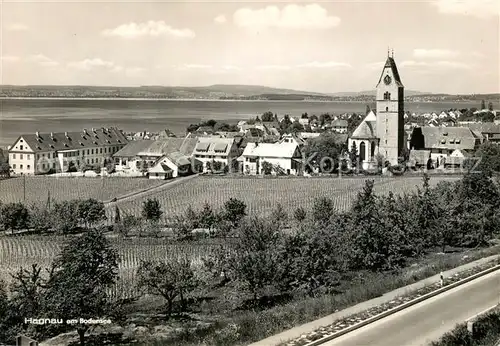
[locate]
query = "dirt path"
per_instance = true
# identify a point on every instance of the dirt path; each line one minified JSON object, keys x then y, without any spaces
{"x":138,"y":194}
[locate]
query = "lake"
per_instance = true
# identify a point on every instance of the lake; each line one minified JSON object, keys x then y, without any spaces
{"x":18,"y":116}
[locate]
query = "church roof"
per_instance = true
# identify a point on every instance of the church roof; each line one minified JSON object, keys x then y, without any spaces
{"x":390,"y":63}
{"x":365,"y":130}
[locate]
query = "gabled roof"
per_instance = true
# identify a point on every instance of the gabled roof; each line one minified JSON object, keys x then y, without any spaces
{"x":390,"y":63}
{"x":276,"y":150}
{"x":339,"y":123}
{"x":447,"y":138}
{"x":365,"y":130}
{"x":159,"y":168}
{"x":87,"y":139}
{"x":158,"y":148}
{"x":214,"y":146}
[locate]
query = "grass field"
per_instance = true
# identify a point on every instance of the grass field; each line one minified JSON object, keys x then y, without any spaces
{"x":37,"y":188}
{"x":261,"y":195}
{"x":23,"y":251}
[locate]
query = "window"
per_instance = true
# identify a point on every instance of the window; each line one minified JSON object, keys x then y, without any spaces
{"x":92,"y":152}
{"x":100,"y":151}
{"x":29,"y":166}
{"x":387,"y":109}
{"x":92,"y":161}
{"x":88,"y":151}
{"x":43,"y":165}
{"x":21,"y":147}
{"x":54,"y":165}
{"x":14,"y":166}
{"x":387,"y":95}
{"x":21,"y":166}
{"x":21,"y":156}
{"x":13,"y":156}
{"x":29,"y":157}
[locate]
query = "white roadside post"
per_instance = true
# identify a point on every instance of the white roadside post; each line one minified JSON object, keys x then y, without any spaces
{"x":442,"y":279}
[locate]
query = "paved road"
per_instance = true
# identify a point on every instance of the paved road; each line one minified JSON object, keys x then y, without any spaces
{"x":428,"y":321}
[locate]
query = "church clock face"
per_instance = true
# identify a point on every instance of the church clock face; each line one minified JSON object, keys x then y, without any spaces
{"x":387,"y":80}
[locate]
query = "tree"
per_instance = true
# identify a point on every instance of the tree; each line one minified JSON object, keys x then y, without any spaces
{"x":91,"y":212}
{"x":372,"y":246}
{"x":300,"y":214}
{"x":312,"y":259}
{"x":82,"y":274}
{"x":324,"y":118}
{"x":268,"y":116}
{"x":5,"y":318}
{"x":14,"y":216}
{"x":427,"y":218}
{"x":368,"y":110}
{"x":4,"y":168}
{"x":353,"y":155}
{"x":266,"y":167}
{"x":234,"y":210}
{"x":40,"y":218}
{"x":490,"y":158}
{"x":285,"y":123}
{"x":171,"y":280}
{"x":304,"y":116}
{"x":127,"y":224}
{"x":207,"y":217}
{"x":151,"y":210}
{"x":490,"y":106}
{"x":66,"y":216}
{"x":322,"y":209}
{"x":325,"y":149}
{"x":353,"y":122}
{"x":255,"y":258}
{"x":118,"y":217}
{"x":483,"y":104}
{"x":27,"y":291}
{"x":279,"y":214}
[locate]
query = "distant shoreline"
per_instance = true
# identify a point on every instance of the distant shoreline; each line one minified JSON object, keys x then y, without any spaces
{"x":199,"y":100}
{"x":159,"y":100}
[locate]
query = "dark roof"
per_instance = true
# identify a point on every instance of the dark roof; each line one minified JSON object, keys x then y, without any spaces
{"x":448,"y":138}
{"x":485,"y":127}
{"x":157,"y":148}
{"x":390,"y":63}
{"x":60,"y":141}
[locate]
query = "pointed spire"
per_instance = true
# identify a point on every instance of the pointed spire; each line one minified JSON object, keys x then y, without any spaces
{"x":387,"y":51}
{"x":393,"y":53}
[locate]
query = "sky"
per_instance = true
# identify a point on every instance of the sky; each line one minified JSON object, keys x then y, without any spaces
{"x":440,"y":46}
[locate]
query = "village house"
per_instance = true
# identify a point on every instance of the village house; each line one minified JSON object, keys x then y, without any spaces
{"x":442,"y":142}
{"x":172,"y":165}
{"x":339,"y":125}
{"x":210,"y":149}
{"x":284,"y":156}
{"x":139,"y":156}
{"x":489,"y":131}
{"x":40,"y":153}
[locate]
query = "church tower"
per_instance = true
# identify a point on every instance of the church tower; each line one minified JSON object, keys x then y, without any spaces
{"x":390,"y":112}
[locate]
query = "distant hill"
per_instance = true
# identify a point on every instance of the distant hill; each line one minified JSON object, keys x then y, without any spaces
{"x":213,"y":92}
{"x":374,"y":93}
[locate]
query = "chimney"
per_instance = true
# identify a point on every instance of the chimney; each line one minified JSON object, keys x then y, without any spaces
{"x":52,"y":135}
{"x":66,"y":134}
{"x":37,"y":134}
